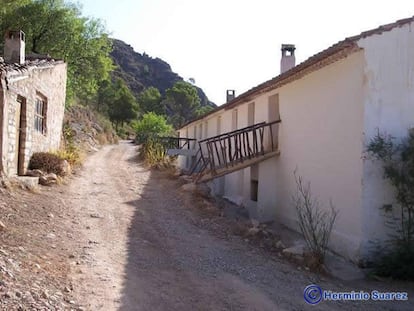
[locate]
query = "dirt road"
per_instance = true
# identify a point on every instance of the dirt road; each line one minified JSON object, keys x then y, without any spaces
{"x":141,"y":247}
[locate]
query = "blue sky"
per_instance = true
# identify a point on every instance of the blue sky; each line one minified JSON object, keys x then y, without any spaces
{"x":230,"y":44}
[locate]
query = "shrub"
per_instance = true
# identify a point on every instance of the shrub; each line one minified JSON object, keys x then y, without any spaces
{"x":151,"y":125}
{"x":72,"y":155}
{"x":70,"y":151}
{"x":397,"y":264}
{"x":397,"y":158}
{"x":315,"y":222}
{"x":153,"y":152}
{"x":47,"y":162}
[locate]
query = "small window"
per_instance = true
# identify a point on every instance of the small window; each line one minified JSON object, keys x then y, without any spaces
{"x":206,"y":129}
{"x":254,"y":182}
{"x":40,"y":115}
{"x":218,"y":125}
{"x":234,"y":120}
{"x":254,"y":189}
{"x":200,"y":133}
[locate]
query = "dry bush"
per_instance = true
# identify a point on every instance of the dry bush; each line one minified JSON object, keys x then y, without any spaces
{"x":314,"y":220}
{"x":47,"y":162}
{"x":102,"y":138}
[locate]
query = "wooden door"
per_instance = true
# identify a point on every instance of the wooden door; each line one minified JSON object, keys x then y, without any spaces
{"x":20,"y":135}
{"x":274,"y":115}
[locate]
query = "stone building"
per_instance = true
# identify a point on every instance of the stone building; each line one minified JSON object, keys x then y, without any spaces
{"x":32,"y":104}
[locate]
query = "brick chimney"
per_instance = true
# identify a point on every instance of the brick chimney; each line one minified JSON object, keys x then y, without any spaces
{"x":288,"y":57}
{"x":14,"y":47}
{"x":231,"y":94}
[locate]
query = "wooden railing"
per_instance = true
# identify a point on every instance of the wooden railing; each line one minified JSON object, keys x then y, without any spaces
{"x":231,"y":148}
{"x":176,"y":142}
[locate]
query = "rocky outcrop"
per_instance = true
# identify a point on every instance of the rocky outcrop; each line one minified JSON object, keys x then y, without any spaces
{"x":140,"y":71}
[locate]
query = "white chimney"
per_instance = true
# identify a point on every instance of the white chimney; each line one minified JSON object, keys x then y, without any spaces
{"x":14,"y":47}
{"x":288,"y":57}
{"x":230,"y":95}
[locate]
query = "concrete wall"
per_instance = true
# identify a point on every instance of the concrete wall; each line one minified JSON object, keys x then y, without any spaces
{"x":49,"y":82}
{"x":389,"y":89}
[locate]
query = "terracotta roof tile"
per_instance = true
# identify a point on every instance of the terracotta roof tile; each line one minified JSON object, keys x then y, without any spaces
{"x":335,"y":52}
{"x":14,"y":69}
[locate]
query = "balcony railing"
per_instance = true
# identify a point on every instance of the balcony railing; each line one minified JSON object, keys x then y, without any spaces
{"x":173,"y":146}
{"x":176,"y":142}
{"x":226,"y":151}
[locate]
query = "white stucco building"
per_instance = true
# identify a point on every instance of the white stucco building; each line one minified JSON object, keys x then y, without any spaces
{"x":329,"y":106}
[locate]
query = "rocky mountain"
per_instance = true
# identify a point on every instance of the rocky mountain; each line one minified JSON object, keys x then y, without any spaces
{"x":140,"y":71}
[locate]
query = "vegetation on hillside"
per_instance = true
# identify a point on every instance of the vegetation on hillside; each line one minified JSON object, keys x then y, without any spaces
{"x":57,"y":28}
{"x":140,"y":72}
{"x":150,"y":100}
{"x":104,"y":74}
{"x":117,"y":102}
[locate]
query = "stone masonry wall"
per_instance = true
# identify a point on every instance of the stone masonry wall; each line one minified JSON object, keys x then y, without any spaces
{"x":51,"y":84}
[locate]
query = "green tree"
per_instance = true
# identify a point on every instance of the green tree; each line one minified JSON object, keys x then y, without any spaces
{"x":10,"y":5}
{"x":183,"y":99}
{"x":105,"y":96}
{"x":150,"y":100}
{"x":203,"y":110}
{"x":152,"y":125}
{"x":57,"y":28}
{"x":123,"y":106}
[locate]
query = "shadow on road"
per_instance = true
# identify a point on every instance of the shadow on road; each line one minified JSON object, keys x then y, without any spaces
{"x":175,"y":264}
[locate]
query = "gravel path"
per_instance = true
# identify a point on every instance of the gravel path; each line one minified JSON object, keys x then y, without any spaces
{"x":142,"y":247}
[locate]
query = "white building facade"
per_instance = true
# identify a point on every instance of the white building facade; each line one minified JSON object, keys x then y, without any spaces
{"x":330,"y":106}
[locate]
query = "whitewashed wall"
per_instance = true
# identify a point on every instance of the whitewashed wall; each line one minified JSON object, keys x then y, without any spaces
{"x":389,"y":107}
{"x":328,"y":117}
{"x":321,"y":136}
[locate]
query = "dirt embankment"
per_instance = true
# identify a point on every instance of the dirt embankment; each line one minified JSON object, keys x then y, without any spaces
{"x":86,"y":129}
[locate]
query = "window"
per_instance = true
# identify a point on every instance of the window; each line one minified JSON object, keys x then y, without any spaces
{"x":274,"y":115}
{"x":254,"y":182}
{"x":250,"y":114}
{"x":206,"y":129}
{"x":234,"y":120}
{"x":218,"y":125}
{"x":40,"y":114}
{"x":254,"y":189}
{"x":200,"y":131}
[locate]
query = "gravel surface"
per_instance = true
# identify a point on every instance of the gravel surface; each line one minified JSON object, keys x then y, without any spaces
{"x":123,"y":237}
{"x":158,"y":251}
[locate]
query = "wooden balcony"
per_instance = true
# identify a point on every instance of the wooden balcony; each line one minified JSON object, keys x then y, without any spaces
{"x":232,"y":151}
{"x":178,"y":145}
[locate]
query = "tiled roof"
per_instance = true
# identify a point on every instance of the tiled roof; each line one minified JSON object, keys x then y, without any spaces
{"x":335,"y":52}
{"x":14,"y":70}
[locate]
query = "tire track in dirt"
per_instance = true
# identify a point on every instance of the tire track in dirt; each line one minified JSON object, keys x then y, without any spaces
{"x":141,"y":248}
{"x":100,"y":197}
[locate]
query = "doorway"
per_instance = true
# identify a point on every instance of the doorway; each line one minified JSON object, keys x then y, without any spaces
{"x":274,"y":115}
{"x":21,"y":125}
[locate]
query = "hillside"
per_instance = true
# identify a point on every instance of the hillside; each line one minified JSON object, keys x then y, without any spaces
{"x":140,"y":71}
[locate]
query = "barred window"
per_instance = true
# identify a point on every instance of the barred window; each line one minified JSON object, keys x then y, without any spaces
{"x":40,"y":115}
